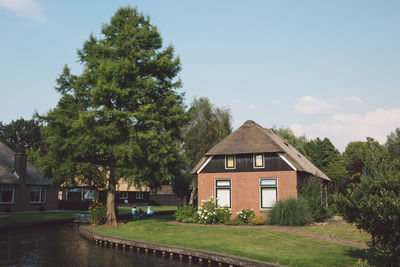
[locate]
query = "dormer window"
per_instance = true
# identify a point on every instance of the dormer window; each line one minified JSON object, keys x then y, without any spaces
{"x":258,"y":160}
{"x":230,"y":162}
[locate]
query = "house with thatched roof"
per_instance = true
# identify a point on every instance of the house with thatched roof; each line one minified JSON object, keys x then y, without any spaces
{"x":252,"y":168}
{"x":22,"y":186}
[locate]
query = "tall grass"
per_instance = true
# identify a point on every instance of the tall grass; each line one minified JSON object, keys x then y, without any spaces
{"x":290,"y":211}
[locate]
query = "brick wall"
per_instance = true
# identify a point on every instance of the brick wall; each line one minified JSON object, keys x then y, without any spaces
{"x":245,"y":187}
{"x":22,"y":199}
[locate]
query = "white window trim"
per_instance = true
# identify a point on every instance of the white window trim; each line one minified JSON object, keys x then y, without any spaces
{"x":41,"y":188}
{"x":261,"y":186}
{"x":13,"y":194}
{"x":234,"y":162}
{"x":123,"y":195}
{"x":254,"y":161}
{"x":224,"y":187}
{"x":139,"y":195}
{"x":84,"y":193}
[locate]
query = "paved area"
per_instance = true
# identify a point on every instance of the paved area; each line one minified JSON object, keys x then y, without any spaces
{"x":297,"y":231}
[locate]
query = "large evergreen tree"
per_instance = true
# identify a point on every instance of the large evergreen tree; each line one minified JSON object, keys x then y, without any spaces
{"x":121,"y":118}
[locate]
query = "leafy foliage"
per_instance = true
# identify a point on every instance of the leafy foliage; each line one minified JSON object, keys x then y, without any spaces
{"x":374,"y":206}
{"x":244,"y":215}
{"x":393,"y":144}
{"x":121,"y":118}
{"x":186,"y":214}
{"x":290,"y":211}
{"x":310,"y":190}
{"x":210,"y":213}
{"x":97,"y":213}
{"x":298,"y":142}
{"x":21,"y":135}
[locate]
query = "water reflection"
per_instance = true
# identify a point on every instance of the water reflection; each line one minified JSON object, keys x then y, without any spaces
{"x":61,"y":245}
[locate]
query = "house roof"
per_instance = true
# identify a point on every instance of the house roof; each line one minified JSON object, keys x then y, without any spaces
{"x":33,"y":175}
{"x":253,"y":138}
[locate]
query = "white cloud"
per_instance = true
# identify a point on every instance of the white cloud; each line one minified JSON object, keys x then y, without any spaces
{"x":342,"y":128}
{"x":237,"y":104}
{"x":354,"y":99}
{"x":312,"y":106}
{"x":24,"y":8}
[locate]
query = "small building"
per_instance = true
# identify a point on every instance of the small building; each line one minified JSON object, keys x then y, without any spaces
{"x":22,"y":186}
{"x":252,"y":168}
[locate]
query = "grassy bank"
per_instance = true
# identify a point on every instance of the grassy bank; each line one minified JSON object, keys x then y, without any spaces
{"x":256,"y":243}
{"x":340,"y":230}
{"x":35,"y":217}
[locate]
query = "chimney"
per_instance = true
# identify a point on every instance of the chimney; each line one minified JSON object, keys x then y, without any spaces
{"x":20,"y":162}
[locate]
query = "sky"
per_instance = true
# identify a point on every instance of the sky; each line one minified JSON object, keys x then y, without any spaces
{"x":322,"y":68}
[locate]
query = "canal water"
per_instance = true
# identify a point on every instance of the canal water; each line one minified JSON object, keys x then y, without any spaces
{"x":60,"y":245}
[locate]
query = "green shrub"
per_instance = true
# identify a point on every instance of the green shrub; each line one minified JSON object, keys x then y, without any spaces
{"x":244,"y":215}
{"x":374,"y":206}
{"x":209,"y":212}
{"x":234,"y":221}
{"x":186,"y":214}
{"x":97,"y":213}
{"x":290,"y":211}
{"x":256,"y":220}
{"x":310,"y":190}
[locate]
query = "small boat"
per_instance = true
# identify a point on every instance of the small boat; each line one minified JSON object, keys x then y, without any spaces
{"x":82,"y":217}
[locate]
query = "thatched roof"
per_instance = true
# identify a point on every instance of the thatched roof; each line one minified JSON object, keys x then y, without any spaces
{"x":33,"y":175}
{"x":252,"y":138}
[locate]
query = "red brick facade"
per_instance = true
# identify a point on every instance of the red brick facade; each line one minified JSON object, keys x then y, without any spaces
{"x":245,"y":187}
{"x":22,"y":200}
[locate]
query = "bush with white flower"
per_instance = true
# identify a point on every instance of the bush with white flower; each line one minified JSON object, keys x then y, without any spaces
{"x":210,"y":213}
{"x":245,"y":215}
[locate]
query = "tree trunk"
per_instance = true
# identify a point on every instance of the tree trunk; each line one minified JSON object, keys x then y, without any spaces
{"x":192,"y":196}
{"x":111,"y":189}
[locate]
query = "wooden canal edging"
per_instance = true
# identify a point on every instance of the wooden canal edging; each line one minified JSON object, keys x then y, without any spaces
{"x":173,"y":252}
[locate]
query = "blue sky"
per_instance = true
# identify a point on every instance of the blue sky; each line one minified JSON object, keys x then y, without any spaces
{"x":323,"y":68}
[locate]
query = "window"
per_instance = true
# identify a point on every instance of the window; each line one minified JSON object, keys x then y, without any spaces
{"x":38,"y":194}
{"x":269,"y":192}
{"x":223,"y":193}
{"x":88,"y":194}
{"x":6,"y":194}
{"x":139,"y":195}
{"x":258,"y":161}
{"x":230,"y":162}
{"x":123,"y":195}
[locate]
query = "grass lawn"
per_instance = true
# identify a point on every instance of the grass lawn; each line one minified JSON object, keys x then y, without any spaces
{"x":256,"y":243}
{"x":35,"y":217}
{"x":124,"y":210}
{"x":340,"y":230}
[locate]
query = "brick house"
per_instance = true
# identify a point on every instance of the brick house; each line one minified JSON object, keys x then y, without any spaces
{"x":22,"y":186}
{"x":253,"y":168}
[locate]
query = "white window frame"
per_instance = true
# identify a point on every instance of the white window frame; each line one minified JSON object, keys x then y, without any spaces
{"x":41,"y":189}
{"x":1,"y":194}
{"x":223,"y":187}
{"x":267,"y":186}
{"x":139,"y":195}
{"x":234,"y":162}
{"x":254,"y":161}
{"x":123,"y":195}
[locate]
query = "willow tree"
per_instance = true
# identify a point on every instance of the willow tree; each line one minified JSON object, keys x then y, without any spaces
{"x":120,"y":118}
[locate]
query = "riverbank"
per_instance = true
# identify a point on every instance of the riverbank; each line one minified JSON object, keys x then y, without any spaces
{"x":258,"y":243}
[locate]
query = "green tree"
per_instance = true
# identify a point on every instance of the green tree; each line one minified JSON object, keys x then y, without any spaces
{"x":21,"y":135}
{"x":373,"y":205}
{"x":393,"y":144}
{"x":208,"y":125}
{"x":299,"y":142}
{"x":366,"y":159}
{"x":121,"y":118}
